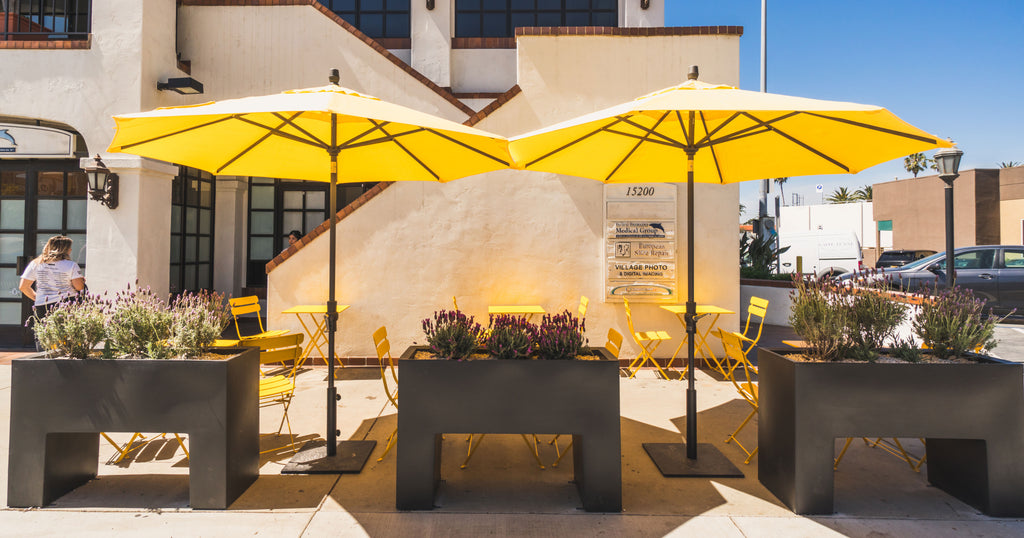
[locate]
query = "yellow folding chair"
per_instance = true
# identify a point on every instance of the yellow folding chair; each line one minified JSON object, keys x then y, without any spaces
{"x":279,"y":389}
{"x":387,"y":363}
{"x":757,"y":309}
{"x":241,"y":306}
{"x":648,"y":342}
{"x":127,"y":448}
{"x":892,"y":446}
{"x":747,"y":389}
{"x":613,"y":345}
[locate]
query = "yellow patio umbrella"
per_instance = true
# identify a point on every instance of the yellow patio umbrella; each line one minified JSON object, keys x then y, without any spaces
{"x":713,"y":133}
{"x":328,"y":133}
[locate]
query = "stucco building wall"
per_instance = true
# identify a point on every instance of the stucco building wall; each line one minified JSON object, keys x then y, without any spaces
{"x":514,"y":237}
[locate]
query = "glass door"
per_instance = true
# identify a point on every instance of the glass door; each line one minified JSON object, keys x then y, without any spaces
{"x":38,"y":199}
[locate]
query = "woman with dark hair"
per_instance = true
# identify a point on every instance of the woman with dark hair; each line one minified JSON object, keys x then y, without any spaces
{"x":293,"y":237}
{"x":55,"y":276}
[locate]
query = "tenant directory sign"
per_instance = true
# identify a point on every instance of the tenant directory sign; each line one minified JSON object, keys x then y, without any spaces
{"x":640,"y":242}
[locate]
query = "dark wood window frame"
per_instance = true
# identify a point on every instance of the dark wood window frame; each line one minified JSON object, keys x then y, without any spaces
{"x":500,"y":18}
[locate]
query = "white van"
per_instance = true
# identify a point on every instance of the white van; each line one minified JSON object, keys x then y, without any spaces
{"x":823,"y":253}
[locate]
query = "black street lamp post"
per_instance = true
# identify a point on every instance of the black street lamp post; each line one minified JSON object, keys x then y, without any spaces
{"x":947,"y":161}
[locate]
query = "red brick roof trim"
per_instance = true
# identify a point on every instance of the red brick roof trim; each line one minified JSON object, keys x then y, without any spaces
{"x":51,"y":44}
{"x":494,"y":105}
{"x":373,"y":43}
{"x":615,"y":31}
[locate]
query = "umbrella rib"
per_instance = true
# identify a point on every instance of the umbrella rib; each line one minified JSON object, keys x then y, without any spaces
{"x":763,"y":127}
{"x":467,"y":146}
{"x":376,"y":127}
{"x":714,"y":156}
{"x":800,"y":143}
{"x":575,"y":141}
{"x":276,"y":131}
{"x":719,"y":128}
{"x":633,"y":135}
{"x":381,"y":140}
{"x":663,"y":136}
{"x":635,"y":146}
{"x":270,"y":133}
{"x":682,"y":126}
{"x":175,"y":133}
{"x":406,"y":150}
{"x":875,"y":128}
{"x":300,"y":129}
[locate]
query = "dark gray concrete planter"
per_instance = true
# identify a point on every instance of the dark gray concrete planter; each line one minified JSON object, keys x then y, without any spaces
{"x":510,"y":396}
{"x":971,"y":415}
{"x":59,"y":406}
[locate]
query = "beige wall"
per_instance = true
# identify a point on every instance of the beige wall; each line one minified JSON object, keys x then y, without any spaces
{"x":483,"y":70}
{"x":518,"y":237}
{"x":254,"y":50}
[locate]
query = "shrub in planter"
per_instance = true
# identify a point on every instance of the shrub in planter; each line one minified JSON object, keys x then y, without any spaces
{"x":73,"y":328}
{"x":561,"y":337}
{"x":451,"y":334}
{"x":951,"y":322}
{"x":510,"y":337}
{"x":198,"y":319}
{"x":138,"y":322}
{"x":820,"y":318}
{"x":873,"y":319}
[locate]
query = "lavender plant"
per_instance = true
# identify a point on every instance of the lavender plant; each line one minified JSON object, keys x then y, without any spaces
{"x":73,"y":328}
{"x":197,"y":320}
{"x":561,"y":337}
{"x":873,"y":316}
{"x":451,"y":334}
{"x":138,"y":321}
{"x":820,"y":317}
{"x":510,"y":337}
{"x":951,"y":322}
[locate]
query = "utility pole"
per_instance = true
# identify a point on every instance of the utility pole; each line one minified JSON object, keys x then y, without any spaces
{"x":762,"y":204}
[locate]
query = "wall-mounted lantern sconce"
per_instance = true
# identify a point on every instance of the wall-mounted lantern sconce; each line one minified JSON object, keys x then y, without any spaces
{"x":184,"y":86}
{"x":430,"y":5}
{"x":644,"y":4}
{"x":102,"y":184}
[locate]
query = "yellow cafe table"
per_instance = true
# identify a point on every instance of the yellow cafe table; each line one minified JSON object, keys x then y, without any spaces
{"x":315,"y":328}
{"x":526,"y":310}
{"x":703,"y":349}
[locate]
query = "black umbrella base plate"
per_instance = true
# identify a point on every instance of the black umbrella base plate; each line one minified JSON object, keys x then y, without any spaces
{"x":672,"y":461}
{"x":312,"y":458}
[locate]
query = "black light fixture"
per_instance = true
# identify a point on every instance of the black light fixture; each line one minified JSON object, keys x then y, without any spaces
{"x":102,"y":184}
{"x":645,"y":4}
{"x":184,"y":85}
{"x":947,"y":162}
{"x":430,"y":5}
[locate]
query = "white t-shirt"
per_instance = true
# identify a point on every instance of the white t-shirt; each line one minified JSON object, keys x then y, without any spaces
{"x":53,"y":280}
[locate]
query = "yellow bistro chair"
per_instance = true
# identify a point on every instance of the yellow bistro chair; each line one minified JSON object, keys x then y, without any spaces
{"x":746,"y":387}
{"x":613,"y":345}
{"x":251,"y":305}
{"x":387,"y":367}
{"x":648,"y":342}
{"x":757,"y":309}
{"x":279,"y":389}
{"x":127,"y":448}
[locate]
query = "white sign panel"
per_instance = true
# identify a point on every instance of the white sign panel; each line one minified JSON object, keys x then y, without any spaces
{"x":29,"y":141}
{"x":640,"y":242}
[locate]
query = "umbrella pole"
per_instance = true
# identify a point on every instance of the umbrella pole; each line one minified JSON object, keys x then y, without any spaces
{"x":314,"y":457}
{"x":332,"y":303}
{"x":691,"y":313}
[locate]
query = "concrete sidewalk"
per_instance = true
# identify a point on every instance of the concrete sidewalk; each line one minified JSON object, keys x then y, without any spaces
{"x":502,"y":492}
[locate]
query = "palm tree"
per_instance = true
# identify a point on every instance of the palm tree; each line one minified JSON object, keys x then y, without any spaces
{"x":863,"y":193}
{"x":841,"y":196}
{"x":743,"y":208}
{"x":915,"y":163}
{"x":780,"y":181}
{"x":1009,"y":164}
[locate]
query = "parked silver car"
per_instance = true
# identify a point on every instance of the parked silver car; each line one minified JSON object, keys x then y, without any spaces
{"x":993,"y":272}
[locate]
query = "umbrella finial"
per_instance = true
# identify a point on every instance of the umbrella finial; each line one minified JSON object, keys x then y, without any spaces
{"x":693,"y":73}
{"x":335,"y":78}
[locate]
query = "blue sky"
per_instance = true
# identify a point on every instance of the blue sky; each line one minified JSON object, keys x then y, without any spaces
{"x":952,"y":68}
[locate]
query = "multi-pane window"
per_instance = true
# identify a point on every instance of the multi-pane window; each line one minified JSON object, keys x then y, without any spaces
{"x":192,"y":224}
{"x":38,"y":200}
{"x":279,"y":206}
{"x":500,"y":18}
{"x":48,"y":19}
{"x":375,"y":18}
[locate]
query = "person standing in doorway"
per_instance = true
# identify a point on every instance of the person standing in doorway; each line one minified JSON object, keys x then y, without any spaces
{"x":55,"y":276}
